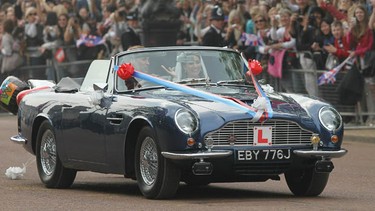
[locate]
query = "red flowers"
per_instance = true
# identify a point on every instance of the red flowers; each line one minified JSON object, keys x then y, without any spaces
{"x":125,"y":71}
{"x":255,"y":66}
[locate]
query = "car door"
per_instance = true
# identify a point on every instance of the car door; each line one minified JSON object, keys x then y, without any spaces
{"x":83,"y":131}
{"x":84,"y":119}
{"x":116,"y":126}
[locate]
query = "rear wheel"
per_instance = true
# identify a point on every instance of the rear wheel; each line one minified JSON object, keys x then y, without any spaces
{"x":306,"y":182}
{"x":157,"y":176}
{"x":51,"y":171}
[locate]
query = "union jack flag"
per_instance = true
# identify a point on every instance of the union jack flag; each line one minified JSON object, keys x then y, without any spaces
{"x":89,"y":40}
{"x":250,"y":39}
{"x":329,"y":77}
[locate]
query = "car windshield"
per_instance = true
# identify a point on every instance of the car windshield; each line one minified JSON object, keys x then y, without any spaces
{"x":183,"y":66}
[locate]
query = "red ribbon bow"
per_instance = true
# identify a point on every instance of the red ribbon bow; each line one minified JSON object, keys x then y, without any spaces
{"x":125,"y":71}
{"x":255,"y":66}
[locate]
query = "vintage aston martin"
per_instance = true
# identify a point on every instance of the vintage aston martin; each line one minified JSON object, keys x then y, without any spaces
{"x":141,"y":114}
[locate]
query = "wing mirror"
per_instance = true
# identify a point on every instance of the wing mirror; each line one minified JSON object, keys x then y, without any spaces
{"x":100,"y":87}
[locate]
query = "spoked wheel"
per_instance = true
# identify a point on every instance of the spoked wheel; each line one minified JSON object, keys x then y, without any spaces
{"x":51,"y":171}
{"x":157,"y":177}
{"x":306,"y":182}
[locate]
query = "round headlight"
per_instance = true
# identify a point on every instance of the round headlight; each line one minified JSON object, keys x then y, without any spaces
{"x":186,"y":121}
{"x":330,"y":118}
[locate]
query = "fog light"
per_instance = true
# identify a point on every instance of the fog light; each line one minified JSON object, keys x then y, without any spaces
{"x":315,"y":141}
{"x":190,"y":142}
{"x":334,"y":139}
{"x":209,"y":143}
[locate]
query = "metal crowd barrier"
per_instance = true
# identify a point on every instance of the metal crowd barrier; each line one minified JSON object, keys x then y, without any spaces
{"x":354,"y":116}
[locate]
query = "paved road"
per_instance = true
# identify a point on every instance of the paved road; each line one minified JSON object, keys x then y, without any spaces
{"x":351,"y":187}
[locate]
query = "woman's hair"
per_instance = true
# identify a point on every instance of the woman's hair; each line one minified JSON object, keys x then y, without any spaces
{"x":233,"y":14}
{"x":51,"y":19}
{"x":327,"y":21}
{"x":360,"y":28}
{"x":337,"y":23}
{"x":285,"y":11}
{"x":8,"y":26}
{"x":265,"y":19}
{"x":29,"y":10}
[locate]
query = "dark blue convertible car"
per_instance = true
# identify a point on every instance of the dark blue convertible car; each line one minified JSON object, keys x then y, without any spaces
{"x":196,"y":115}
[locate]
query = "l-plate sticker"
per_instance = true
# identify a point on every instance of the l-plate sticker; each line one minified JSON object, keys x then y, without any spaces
{"x":262,"y":136}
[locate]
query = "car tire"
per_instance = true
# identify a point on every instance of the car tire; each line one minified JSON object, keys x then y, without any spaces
{"x":306,"y":182}
{"x":157,"y":177}
{"x":51,"y":171}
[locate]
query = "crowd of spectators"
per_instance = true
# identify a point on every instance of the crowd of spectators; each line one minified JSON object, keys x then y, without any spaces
{"x":40,"y":31}
{"x":308,"y":34}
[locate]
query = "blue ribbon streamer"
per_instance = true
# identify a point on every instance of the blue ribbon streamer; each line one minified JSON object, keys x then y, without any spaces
{"x":205,"y":95}
{"x":195,"y":92}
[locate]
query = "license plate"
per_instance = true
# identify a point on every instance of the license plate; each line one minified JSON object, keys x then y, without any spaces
{"x":263,"y":155}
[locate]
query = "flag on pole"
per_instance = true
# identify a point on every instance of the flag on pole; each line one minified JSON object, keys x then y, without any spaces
{"x":249,"y":39}
{"x":329,"y":77}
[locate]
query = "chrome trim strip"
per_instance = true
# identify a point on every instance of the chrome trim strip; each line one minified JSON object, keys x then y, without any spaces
{"x":18,"y":139}
{"x":114,"y":119}
{"x":197,"y":155}
{"x":326,"y":154}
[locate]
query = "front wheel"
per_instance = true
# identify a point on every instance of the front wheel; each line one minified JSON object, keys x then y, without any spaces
{"x":306,"y":182}
{"x":157,"y":177}
{"x":51,"y":171}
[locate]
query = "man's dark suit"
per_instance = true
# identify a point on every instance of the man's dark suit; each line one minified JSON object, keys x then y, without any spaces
{"x":212,"y":38}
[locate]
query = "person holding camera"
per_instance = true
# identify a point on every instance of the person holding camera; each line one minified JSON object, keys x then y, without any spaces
{"x":361,"y":40}
{"x":34,"y":39}
{"x":70,"y":31}
{"x":234,"y":29}
{"x":305,"y":29}
{"x":286,"y":43}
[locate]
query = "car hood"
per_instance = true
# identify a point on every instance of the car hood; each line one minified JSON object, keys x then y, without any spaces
{"x":284,"y":106}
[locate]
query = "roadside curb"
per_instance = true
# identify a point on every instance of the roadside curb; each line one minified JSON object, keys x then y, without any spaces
{"x":360,"y":134}
{"x":356,"y":138}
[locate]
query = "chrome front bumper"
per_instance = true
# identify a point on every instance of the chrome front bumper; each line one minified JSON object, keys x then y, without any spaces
{"x":318,"y":153}
{"x":18,"y":139}
{"x":226,"y":153}
{"x":197,"y":155}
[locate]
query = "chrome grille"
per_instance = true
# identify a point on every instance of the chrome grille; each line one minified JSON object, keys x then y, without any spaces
{"x":283,"y":133}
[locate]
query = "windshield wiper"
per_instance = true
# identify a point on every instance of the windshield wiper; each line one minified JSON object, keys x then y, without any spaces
{"x":142,"y":89}
{"x":193,"y":80}
{"x":237,"y":81}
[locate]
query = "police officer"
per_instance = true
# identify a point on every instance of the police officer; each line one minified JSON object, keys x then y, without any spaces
{"x":130,"y":38}
{"x":213,"y":36}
